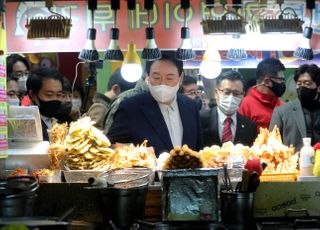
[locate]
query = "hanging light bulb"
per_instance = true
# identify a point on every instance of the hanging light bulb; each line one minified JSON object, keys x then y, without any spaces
{"x":90,"y":53}
{"x":150,"y":51}
{"x":304,"y":51}
{"x":185,"y":52}
{"x":210,"y":66}
{"x":113,"y":52}
{"x":237,"y":52}
{"x":131,"y":69}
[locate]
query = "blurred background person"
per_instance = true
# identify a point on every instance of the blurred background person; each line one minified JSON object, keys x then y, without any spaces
{"x":64,"y":113}
{"x":189,"y":88}
{"x":13,"y":93}
{"x":101,"y":102}
{"x":76,"y":99}
{"x":262,"y":98}
{"x":301,"y":117}
{"x":18,"y":67}
{"x":45,"y":88}
{"x":222,"y":123}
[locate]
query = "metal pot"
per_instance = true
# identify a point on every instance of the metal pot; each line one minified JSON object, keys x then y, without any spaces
{"x":17,"y":196}
{"x":123,"y":206}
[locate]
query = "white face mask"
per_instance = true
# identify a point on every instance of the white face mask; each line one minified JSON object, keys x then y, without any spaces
{"x":13,"y":101}
{"x":76,"y":104}
{"x":229,"y":104}
{"x":22,"y":83}
{"x":163,"y":93}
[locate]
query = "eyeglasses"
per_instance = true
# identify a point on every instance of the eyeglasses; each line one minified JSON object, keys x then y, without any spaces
{"x":227,"y":92}
{"x":191,"y":93}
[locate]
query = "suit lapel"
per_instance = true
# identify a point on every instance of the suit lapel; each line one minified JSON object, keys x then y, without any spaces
{"x":153,"y":115}
{"x":299,"y":117}
{"x":184,"y":110}
{"x":240,"y":130}
{"x":214,"y":125}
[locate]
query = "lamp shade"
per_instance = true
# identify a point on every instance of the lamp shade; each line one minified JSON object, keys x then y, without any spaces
{"x":131,"y":69}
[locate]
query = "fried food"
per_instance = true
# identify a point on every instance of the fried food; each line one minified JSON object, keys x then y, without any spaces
{"x":183,"y":158}
{"x":87,"y":147}
{"x":18,"y":172}
{"x":57,"y":148}
{"x":127,"y":156}
{"x":269,"y":148}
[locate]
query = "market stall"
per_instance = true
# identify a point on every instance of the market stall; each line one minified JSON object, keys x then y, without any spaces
{"x":79,"y":180}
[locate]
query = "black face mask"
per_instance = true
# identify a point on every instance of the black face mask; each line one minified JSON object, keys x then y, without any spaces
{"x":199,"y":102}
{"x":278,"y":88}
{"x":64,"y":111}
{"x":307,"y":98}
{"x":49,"y":108}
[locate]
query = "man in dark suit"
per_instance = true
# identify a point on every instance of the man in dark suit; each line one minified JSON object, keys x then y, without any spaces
{"x":301,"y":117}
{"x":222,"y":123}
{"x":161,"y":116}
{"x":45,"y":91}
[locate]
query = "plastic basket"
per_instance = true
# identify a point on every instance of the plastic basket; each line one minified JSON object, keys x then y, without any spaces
{"x":278,"y":177}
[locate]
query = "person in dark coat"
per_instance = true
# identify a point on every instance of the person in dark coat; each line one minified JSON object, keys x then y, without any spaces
{"x":223,"y":123}
{"x":161,"y":116}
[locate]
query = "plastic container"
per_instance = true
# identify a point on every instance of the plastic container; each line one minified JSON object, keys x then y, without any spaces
{"x":80,"y":176}
{"x":306,"y":155}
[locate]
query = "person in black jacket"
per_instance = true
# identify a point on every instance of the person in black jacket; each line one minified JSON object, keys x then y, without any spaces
{"x":45,"y":91}
{"x":222,"y":123}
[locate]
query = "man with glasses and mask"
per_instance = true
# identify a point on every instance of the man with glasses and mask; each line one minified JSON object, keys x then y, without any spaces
{"x":301,"y":118}
{"x":161,"y":116}
{"x":45,"y":90}
{"x":222,"y":123}
{"x":262,"y":98}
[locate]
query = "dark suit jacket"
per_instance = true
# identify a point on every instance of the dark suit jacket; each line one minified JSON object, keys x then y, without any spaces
{"x":246,"y":130}
{"x":139,"y":118}
{"x":45,"y":134}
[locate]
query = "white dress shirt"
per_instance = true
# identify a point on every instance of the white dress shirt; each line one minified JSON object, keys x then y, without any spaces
{"x":221,"y":123}
{"x":172,"y":118}
{"x":47,"y":121}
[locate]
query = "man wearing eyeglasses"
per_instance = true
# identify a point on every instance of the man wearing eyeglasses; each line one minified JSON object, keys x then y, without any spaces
{"x":262,"y":98}
{"x":301,"y":117}
{"x":222,"y":123}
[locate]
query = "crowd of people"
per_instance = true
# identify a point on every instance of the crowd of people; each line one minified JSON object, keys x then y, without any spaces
{"x":168,"y":108}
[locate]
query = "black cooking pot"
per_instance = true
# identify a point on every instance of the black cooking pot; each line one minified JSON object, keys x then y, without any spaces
{"x":17,"y":196}
{"x":123,"y":206}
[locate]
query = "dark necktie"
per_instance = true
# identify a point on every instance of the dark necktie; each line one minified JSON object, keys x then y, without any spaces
{"x":227,"y":134}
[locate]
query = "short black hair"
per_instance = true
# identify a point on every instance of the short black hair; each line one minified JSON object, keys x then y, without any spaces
{"x":13,"y":59}
{"x":117,"y":79}
{"x":187,"y":80}
{"x":66,"y":87}
{"x":171,"y":57}
{"x":230,"y":75}
{"x":312,"y":69}
{"x":34,"y":82}
{"x":269,"y":66}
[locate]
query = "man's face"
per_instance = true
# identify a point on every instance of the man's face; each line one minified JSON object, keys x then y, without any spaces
{"x":13,"y":90}
{"x":228,"y":87}
{"x":190,"y":90}
{"x":306,"y":80}
{"x":19,"y":69}
{"x":164,"y":73}
{"x":51,"y":90}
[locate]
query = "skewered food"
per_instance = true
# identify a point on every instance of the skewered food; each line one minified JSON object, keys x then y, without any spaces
{"x":183,"y":158}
